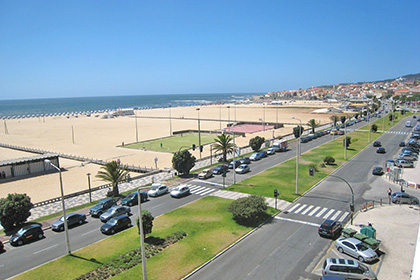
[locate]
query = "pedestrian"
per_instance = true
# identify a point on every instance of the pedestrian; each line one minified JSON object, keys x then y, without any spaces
{"x":389,"y":193}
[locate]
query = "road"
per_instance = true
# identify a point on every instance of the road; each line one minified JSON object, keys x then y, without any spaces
{"x":19,"y":259}
{"x":289,"y":247}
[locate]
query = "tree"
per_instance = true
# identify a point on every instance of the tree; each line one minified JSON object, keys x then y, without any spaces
{"x":223,"y":144}
{"x":14,"y":210}
{"x":374,"y":128}
{"x":313,"y":124}
{"x":334,"y":118}
{"x":297,"y":131}
{"x":329,"y":160}
{"x":343,"y":119}
{"x":347,"y":141}
{"x":248,"y":208}
{"x":256,"y":143}
{"x":391,"y":117}
{"x":147,"y":220}
{"x":114,"y":173}
{"x":183,"y":162}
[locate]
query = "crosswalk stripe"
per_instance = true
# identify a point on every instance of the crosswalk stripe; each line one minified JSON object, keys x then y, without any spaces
{"x":321,"y":212}
{"x":329,"y":213}
{"x":336,"y":215}
{"x":294,"y":207}
{"x":314,"y":211}
{"x":201,"y":191}
{"x":307,"y":209}
{"x":343,"y":217}
{"x":207,"y":192}
{"x":300,"y":209}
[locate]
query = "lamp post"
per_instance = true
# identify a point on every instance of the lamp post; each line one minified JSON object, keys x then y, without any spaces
{"x":90,"y":189}
{"x":352,"y":195}
{"x":345,"y":140}
{"x":263,"y":117}
{"x":137,"y":130}
{"x":228,"y":115}
{"x":199,"y":131}
{"x":66,"y":228}
{"x":220,"y":117}
{"x":170,"y":120}
{"x":297,"y":154}
{"x":143,"y":253}
{"x":368,"y":113}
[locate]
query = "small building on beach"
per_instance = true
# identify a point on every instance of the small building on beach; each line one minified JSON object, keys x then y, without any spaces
{"x":27,"y":165}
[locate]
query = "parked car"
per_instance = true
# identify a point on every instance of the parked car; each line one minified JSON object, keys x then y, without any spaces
{"x":271,"y":151}
{"x":381,"y":150}
{"x":404,"y":163}
{"x":406,"y":156}
{"x":356,"y":249}
{"x":378,"y":170}
{"x":402,"y":144}
{"x":243,"y":168}
{"x":262,"y":154}
{"x":102,"y":206}
{"x":27,"y":234}
{"x":180,"y":191}
{"x":158,"y":189}
{"x":114,"y":211}
{"x":116,"y":224}
{"x":233,"y":165}
{"x":72,"y":220}
{"x":334,"y":131}
{"x":330,"y":228}
{"x":245,"y":160}
{"x":133,"y":199}
{"x":402,"y":197}
{"x":220,"y":169}
{"x":390,"y":162}
{"x":1,"y":246}
{"x":349,"y":269}
{"x":255,"y":156}
{"x":377,"y":144}
{"x":205,"y":174}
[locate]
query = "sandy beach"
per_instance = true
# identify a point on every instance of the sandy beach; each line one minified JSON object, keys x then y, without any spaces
{"x":99,"y":138}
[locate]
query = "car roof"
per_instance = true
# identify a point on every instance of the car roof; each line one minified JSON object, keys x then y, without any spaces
{"x":351,"y":240}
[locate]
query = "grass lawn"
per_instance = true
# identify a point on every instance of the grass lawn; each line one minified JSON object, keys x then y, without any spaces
{"x":174,"y":143}
{"x":209,"y":227}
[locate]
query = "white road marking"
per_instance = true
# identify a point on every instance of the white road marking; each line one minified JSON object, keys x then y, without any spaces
{"x":329,"y":213}
{"x":88,"y":232}
{"x":307,"y":209}
{"x":336,"y":215}
{"x":45,"y":249}
{"x":314,"y":211}
{"x":301,"y":208}
{"x":207,"y":192}
{"x":343,"y":217}
{"x":321,"y":212}
{"x":297,"y":221}
{"x":294,"y":207}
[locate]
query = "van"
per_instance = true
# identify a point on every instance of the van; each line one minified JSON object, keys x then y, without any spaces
{"x":408,"y":124}
{"x":349,"y":269}
{"x":280,"y":146}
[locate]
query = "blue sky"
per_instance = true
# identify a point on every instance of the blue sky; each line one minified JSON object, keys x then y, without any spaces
{"x":97,"y":48}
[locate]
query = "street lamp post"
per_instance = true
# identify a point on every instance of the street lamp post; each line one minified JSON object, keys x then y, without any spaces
{"x":199,"y":131}
{"x":352,"y":195}
{"x":170,"y":120}
{"x":137,"y":130}
{"x":345,"y":140}
{"x":66,"y":228}
{"x":228,"y":115}
{"x":368,"y":113}
{"x":220,"y":117}
{"x":90,"y":189}
{"x":297,"y":154}
{"x":143,"y":253}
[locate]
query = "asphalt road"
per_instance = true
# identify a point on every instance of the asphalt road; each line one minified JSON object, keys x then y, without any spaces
{"x":19,"y":259}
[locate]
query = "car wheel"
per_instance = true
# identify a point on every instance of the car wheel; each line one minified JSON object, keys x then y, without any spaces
{"x":112,"y":231}
{"x":40,"y":236}
{"x":130,"y":204}
{"x":20,"y":242}
{"x":361,"y":259}
{"x":129,"y":225}
{"x":80,"y":222}
{"x":61,"y":228}
{"x":340,"y":249}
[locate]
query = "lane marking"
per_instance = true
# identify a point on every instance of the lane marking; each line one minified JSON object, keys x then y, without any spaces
{"x":207,"y":192}
{"x":307,"y":209}
{"x":343,"y":217}
{"x":321,"y":212}
{"x":336,"y":215}
{"x":300,"y":209}
{"x":329,"y":213}
{"x":314,"y":211}
{"x":86,"y":233}
{"x":294,"y":207}
{"x":45,"y":249}
{"x":297,"y":221}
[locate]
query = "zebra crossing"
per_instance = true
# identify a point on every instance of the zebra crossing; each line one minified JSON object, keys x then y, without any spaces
{"x":397,"y":132}
{"x":199,"y":190}
{"x":318,"y":212}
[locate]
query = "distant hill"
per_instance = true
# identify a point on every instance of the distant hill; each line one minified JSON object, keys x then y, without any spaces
{"x":409,"y":77}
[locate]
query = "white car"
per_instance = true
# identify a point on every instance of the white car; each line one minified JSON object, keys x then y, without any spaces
{"x":205,"y":174}
{"x":179,"y":191}
{"x":243,"y":168}
{"x":356,"y":249}
{"x":158,"y":189}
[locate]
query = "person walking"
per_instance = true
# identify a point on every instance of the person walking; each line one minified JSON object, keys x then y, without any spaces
{"x":389,"y":194}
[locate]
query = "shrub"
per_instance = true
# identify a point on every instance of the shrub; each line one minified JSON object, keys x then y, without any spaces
{"x":374,"y":128}
{"x":147,"y":222}
{"x":248,"y":208}
{"x":256,"y":143}
{"x":14,"y":210}
{"x":329,"y":160}
{"x":314,"y":166}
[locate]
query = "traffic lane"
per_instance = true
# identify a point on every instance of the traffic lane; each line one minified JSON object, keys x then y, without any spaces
{"x":264,"y":255}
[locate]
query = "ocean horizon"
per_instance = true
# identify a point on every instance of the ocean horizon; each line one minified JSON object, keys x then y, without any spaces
{"x":24,"y":107}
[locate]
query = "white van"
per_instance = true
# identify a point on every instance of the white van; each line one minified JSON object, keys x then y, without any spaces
{"x":349,"y":269}
{"x":408,"y":124}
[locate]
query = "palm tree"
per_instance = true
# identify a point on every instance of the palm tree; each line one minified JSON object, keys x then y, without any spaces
{"x":313,"y":124}
{"x":334,"y":118}
{"x":223,"y":144}
{"x":114,"y":173}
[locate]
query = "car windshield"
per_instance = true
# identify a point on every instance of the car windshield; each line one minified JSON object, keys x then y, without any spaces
{"x":61,"y":219}
{"x":362,"y":247}
{"x":20,"y":232}
{"x":363,"y":267}
{"x":131,"y":195}
{"x":100,"y":204}
{"x":112,"y":222}
{"x":111,"y":210}
{"x":155,"y":188}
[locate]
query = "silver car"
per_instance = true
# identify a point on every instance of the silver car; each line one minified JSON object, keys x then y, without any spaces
{"x":404,"y":163}
{"x":179,"y":191}
{"x":402,"y":197}
{"x":158,"y":189}
{"x":356,"y":249}
{"x":114,"y":211}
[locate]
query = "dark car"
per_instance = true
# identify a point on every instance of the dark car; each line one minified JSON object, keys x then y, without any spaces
{"x":26,"y":234}
{"x":220,"y":169}
{"x":245,"y":160}
{"x":233,"y":165}
{"x":330,"y":228}
{"x":378,"y":170}
{"x":1,"y":246}
{"x":263,"y":154}
{"x":102,"y":206}
{"x":114,"y":211}
{"x":381,"y":150}
{"x":133,"y":199}
{"x":116,"y":224}
{"x":72,"y":219}
{"x":402,"y":144}
{"x":377,"y":144}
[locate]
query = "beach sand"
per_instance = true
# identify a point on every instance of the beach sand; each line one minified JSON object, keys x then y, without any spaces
{"x":98,"y":138}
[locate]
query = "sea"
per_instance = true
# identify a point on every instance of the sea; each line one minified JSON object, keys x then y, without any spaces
{"x":37,"y":107}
